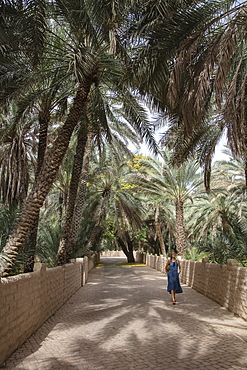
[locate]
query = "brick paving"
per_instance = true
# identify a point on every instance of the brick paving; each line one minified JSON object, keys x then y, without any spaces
{"x":123,"y":319}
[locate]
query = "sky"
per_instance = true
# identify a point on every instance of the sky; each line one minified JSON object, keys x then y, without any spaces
{"x":219,"y":155}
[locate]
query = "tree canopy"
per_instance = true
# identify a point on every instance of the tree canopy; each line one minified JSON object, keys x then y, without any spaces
{"x":78,"y":80}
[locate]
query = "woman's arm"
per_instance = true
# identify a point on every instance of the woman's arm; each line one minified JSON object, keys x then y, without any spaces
{"x":168,"y":265}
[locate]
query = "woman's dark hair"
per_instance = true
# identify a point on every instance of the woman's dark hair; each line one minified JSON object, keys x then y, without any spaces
{"x":172,"y":253}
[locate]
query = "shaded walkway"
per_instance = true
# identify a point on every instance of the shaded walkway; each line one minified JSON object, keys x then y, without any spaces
{"x":123,"y":319}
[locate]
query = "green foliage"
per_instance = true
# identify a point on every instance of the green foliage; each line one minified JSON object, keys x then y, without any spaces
{"x":86,"y":229}
{"x":218,"y":220}
{"x":136,"y":48}
{"x":8,"y":217}
{"x":48,"y":239}
{"x":141,"y":235}
{"x":228,"y":244}
{"x":3,"y":259}
{"x":152,"y":245}
{"x":194,"y":255}
{"x":110,"y":231}
{"x":47,"y":243}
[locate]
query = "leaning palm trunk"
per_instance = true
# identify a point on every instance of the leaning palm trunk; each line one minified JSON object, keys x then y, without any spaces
{"x":73,"y":189}
{"x":65,"y":253}
{"x":180,"y":234}
{"x":44,"y":118}
{"x":158,"y":231}
{"x":31,"y":246}
{"x":45,"y":179}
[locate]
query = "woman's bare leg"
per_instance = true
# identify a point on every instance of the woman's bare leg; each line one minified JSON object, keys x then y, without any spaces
{"x":173,"y":296}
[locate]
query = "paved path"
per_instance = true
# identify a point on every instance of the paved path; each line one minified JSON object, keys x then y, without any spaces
{"x":123,"y":320}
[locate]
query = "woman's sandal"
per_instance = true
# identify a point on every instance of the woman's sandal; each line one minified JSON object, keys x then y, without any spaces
{"x":174,"y":301}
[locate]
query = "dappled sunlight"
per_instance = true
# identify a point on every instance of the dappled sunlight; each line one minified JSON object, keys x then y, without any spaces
{"x":136,"y":329}
{"x":125,"y":317}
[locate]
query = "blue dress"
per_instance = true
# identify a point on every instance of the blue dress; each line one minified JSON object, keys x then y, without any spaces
{"x":173,"y":278}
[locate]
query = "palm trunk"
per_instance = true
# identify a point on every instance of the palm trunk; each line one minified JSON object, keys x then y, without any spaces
{"x":44,"y":118}
{"x":225,"y":224}
{"x":245,"y":171}
{"x":180,"y":233}
{"x":62,"y":257}
{"x":245,"y":140}
{"x":24,"y":180}
{"x":61,"y":201}
{"x":95,"y":230}
{"x":130,"y":255}
{"x":128,"y":250}
{"x":30,"y":248}
{"x":81,"y":197}
{"x":105,"y":194}
{"x":45,"y":179}
{"x":158,"y":231}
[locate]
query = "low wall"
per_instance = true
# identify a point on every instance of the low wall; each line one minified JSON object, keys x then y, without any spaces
{"x":225,"y":284}
{"x":116,"y":254}
{"x":28,"y":300}
{"x":113,"y":254}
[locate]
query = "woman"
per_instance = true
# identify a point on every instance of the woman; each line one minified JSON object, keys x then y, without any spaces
{"x":173,"y":269}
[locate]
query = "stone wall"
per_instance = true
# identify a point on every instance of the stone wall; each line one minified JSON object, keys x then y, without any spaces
{"x":113,"y":254}
{"x":116,"y":254}
{"x":225,"y":284}
{"x":28,"y":300}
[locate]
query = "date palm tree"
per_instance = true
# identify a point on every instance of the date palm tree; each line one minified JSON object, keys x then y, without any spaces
{"x":111,"y":198}
{"x":161,"y":30}
{"x":177,"y":184}
{"x":17,"y":158}
{"x":217,"y":221}
{"x":177,"y":64}
{"x":158,"y":230}
{"x":84,"y":41}
{"x":50,"y":104}
{"x":218,"y":226}
{"x":110,"y":116}
{"x":72,"y":216}
{"x":208,"y":78}
{"x":86,"y":62}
